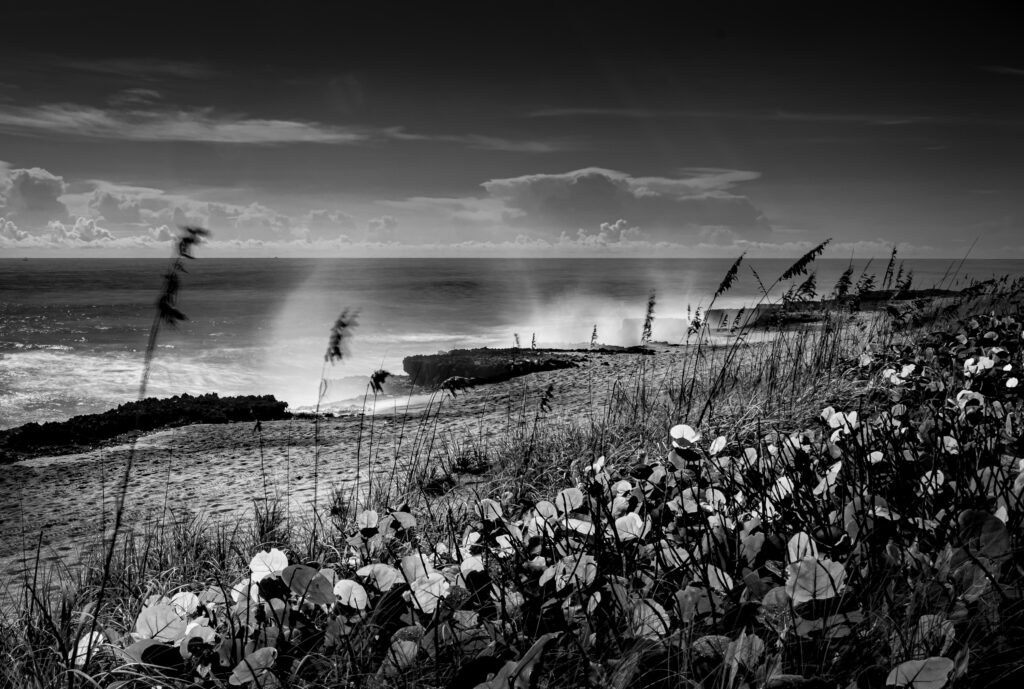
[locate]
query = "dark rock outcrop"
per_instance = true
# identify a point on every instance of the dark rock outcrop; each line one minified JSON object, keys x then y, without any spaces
{"x":88,"y":430}
{"x":483,"y":365}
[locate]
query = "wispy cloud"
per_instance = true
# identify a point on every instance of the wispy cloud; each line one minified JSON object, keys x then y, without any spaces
{"x":794,"y":116}
{"x":199,"y":125}
{"x":134,"y":96}
{"x":775,"y":115}
{"x":636,"y":113}
{"x":148,"y":69}
{"x":205,"y":125}
{"x":488,"y":143}
{"x":1003,"y":69}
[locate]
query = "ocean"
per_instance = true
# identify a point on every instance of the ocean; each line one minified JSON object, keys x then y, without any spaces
{"x":73,"y":331}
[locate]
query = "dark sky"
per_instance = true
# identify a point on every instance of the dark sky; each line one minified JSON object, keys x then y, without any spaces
{"x":751,"y":126}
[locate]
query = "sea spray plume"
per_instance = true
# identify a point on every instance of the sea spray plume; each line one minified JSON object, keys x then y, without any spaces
{"x":645,"y":336}
{"x":168,"y":313}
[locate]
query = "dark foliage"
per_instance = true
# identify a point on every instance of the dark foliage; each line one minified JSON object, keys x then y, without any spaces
{"x":729,"y":279}
{"x":800,"y":267}
{"x":341,"y":331}
{"x":377,"y":380}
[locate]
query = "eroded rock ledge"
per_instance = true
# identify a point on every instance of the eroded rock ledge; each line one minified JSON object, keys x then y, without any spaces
{"x":485,"y":365}
{"x":88,"y":430}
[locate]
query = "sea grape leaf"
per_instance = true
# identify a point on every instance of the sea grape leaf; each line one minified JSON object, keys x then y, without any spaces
{"x":519,"y":675}
{"x":400,"y":656}
{"x":159,"y":622}
{"x":930,"y":673}
{"x":569,"y":500}
{"x":413,"y":567}
{"x":267,"y":561}
{"x":307,"y":583}
{"x":383,"y":576}
{"x":253,"y":666}
{"x":351,"y":594}
{"x":982,"y":534}
{"x":648,"y":619}
{"x":813,"y":579}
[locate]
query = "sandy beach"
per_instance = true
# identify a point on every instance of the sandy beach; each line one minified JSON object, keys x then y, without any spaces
{"x":60,"y":504}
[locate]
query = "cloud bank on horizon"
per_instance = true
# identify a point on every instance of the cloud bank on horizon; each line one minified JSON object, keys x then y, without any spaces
{"x":610,"y":136}
{"x":585,"y":210}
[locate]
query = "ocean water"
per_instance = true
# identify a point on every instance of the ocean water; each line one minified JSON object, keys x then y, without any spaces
{"x":73,"y":331}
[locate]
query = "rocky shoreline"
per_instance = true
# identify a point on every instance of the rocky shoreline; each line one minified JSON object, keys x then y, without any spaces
{"x":87,"y":431}
{"x":485,"y":365}
{"x":471,"y":367}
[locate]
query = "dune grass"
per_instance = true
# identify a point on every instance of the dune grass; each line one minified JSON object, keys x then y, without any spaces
{"x":828,"y":505}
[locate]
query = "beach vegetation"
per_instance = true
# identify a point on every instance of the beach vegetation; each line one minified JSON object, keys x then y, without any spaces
{"x":835,"y":504}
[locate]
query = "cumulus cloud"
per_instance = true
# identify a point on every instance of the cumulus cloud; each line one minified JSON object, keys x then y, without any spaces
{"x":382,"y":229}
{"x":254,"y":221}
{"x":135,"y":210}
{"x":668,"y":208}
{"x":31,"y":196}
{"x":115,"y":208}
{"x":83,"y":230}
{"x":161,"y":234}
{"x":10,"y":231}
{"x":324,"y":224}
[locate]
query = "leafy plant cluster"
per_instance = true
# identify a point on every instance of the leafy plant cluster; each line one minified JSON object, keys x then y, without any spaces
{"x":875,"y":546}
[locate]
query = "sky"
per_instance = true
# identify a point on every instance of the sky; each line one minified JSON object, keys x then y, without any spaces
{"x":642,"y":129}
